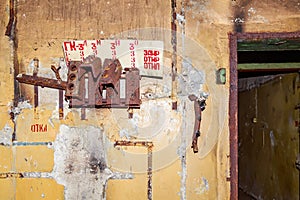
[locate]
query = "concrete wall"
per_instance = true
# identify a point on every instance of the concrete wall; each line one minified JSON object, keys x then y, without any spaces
{"x":57,"y":164}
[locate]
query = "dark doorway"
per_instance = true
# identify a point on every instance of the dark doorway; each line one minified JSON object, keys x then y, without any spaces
{"x":268,"y":137}
{"x":264,"y":124}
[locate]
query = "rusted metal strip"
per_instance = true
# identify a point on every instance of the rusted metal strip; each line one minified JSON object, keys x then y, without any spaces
{"x":41,"y":81}
{"x":56,"y":72}
{"x":132,"y":87}
{"x":149,"y":173}
{"x":174,"y":38}
{"x":25,"y":175}
{"x":11,"y":175}
{"x":233,"y":120}
{"x":149,"y":146}
{"x":61,"y":104}
{"x":174,"y":53}
{"x":36,"y":88}
{"x":36,"y":96}
{"x":133,"y":143}
{"x":83,"y":114}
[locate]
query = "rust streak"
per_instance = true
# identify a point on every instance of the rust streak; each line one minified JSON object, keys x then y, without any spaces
{"x":9,"y":27}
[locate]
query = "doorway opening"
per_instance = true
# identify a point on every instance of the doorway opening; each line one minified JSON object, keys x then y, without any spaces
{"x":263,"y":115}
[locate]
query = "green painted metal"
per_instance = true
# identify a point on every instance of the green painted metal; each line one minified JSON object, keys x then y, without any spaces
{"x":268,"y":66}
{"x":268,"y":45}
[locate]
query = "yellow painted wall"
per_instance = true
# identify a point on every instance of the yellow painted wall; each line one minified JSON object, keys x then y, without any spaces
{"x":41,"y":28}
{"x":267,"y":139}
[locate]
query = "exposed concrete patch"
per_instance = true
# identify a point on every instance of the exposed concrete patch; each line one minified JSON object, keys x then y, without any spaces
{"x":191,"y":79}
{"x":80,"y":163}
{"x":79,"y":155}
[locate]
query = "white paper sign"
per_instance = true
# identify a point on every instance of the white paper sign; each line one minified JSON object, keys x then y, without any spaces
{"x":145,"y":55}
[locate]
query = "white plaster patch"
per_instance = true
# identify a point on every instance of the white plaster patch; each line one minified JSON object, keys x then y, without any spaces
{"x":251,"y":11}
{"x":7,"y":131}
{"x":204,"y":186}
{"x":149,"y":121}
{"x":239,"y":20}
{"x":191,"y":80}
{"x":180,"y":18}
{"x":6,"y":135}
{"x":17,"y":110}
{"x":124,"y":134}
